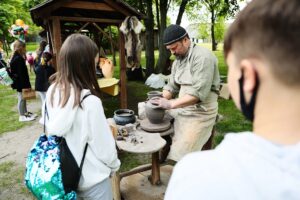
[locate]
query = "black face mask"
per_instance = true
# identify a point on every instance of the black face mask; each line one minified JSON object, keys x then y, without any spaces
{"x":248,"y":109}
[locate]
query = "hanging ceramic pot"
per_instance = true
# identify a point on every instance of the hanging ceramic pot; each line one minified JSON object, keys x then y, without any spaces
{"x":107,"y":67}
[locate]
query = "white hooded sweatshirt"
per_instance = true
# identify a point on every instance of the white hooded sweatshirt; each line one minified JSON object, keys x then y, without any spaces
{"x":244,"y":166}
{"x":80,"y":126}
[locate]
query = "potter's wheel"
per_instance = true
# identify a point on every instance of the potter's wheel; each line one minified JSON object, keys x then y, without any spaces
{"x":146,"y":125}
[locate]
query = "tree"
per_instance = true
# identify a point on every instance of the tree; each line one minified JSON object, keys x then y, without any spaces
{"x":164,"y":54}
{"x":203,"y":31}
{"x":219,"y":8}
{"x":219,"y":30}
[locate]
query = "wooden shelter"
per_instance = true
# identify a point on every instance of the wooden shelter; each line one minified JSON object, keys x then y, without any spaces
{"x":61,"y":18}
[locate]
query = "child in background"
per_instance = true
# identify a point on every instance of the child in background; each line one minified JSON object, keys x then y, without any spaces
{"x":43,"y":71}
{"x":20,"y":78}
{"x":262,"y":49}
{"x":30,"y":61}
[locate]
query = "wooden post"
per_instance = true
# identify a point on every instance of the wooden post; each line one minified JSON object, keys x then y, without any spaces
{"x":115,"y":182}
{"x":123,"y":96}
{"x":56,"y":37}
{"x":155,"y":175}
{"x":112,"y":46}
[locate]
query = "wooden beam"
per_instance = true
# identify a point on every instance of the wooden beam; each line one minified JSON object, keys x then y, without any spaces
{"x":86,"y":19}
{"x":105,"y":34}
{"x":88,"y":6}
{"x":85,"y":25}
{"x":46,"y":11}
{"x":123,"y":95}
{"x":117,"y":7}
{"x":56,"y":37}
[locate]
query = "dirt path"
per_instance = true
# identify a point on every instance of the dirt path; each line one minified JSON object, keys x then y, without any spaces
{"x":15,"y":145}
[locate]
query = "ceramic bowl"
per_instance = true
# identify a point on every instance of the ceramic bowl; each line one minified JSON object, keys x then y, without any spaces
{"x":124,"y":116}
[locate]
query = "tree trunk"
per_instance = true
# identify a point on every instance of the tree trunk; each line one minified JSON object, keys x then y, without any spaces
{"x":157,"y":14}
{"x":213,"y":39}
{"x":149,"y":23}
{"x":181,"y":11}
{"x":163,"y":53}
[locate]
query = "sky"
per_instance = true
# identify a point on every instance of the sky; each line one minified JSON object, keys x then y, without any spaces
{"x":172,"y":13}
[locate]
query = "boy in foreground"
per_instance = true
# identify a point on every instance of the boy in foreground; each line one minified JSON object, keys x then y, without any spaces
{"x":262,"y":49}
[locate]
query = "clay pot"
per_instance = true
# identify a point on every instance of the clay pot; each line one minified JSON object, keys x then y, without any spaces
{"x":107,"y":67}
{"x":152,"y":94}
{"x":124,"y":116}
{"x":154,"y":113}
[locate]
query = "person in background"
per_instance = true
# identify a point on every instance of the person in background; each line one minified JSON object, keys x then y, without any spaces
{"x":39,"y":52}
{"x":30,"y":60}
{"x":195,"y":79}
{"x":82,"y":122}
{"x":43,"y":71}
{"x":2,"y":62}
{"x":262,"y":49}
{"x":19,"y":73}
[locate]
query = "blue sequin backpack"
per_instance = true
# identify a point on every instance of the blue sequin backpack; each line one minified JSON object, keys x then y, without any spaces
{"x":51,"y":169}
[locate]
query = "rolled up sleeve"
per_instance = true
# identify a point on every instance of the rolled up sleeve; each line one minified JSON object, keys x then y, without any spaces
{"x":202,"y":70}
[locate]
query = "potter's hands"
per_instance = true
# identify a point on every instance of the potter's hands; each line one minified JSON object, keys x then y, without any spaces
{"x":161,"y":102}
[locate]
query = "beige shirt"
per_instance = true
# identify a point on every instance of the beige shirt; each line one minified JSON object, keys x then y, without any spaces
{"x":198,"y":71}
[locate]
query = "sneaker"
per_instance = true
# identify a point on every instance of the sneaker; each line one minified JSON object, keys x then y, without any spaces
{"x":30,"y":114}
{"x":24,"y":118}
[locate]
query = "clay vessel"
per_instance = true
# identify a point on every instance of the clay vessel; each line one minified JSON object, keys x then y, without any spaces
{"x":152,"y":94}
{"x":124,"y":116}
{"x":154,"y":113}
{"x":107,"y":67}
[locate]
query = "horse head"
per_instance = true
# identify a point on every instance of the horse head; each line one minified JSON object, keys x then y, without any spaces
{"x":131,"y":27}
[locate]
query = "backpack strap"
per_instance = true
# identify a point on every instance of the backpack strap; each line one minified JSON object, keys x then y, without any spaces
{"x":86,"y":145}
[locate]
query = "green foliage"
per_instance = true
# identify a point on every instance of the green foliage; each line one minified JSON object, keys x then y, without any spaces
{"x":203,"y":31}
{"x":219,"y":29}
{"x":10,"y":10}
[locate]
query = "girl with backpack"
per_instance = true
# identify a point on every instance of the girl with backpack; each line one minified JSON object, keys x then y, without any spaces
{"x":80,"y":121}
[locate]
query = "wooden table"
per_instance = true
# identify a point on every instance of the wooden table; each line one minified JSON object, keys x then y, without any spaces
{"x":146,"y":143}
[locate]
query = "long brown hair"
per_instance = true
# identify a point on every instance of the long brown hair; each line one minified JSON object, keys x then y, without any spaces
{"x":76,"y":68}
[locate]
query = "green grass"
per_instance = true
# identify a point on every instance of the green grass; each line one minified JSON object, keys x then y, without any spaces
{"x":31,"y":46}
{"x":9,"y":117}
{"x":12,"y":182}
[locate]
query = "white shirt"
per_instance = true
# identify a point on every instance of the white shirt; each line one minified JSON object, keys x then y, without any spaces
{"x":243,"y":166}
{"x":80,"y":126}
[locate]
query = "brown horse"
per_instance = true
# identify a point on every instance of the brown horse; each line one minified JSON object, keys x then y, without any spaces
{"x":131,"y":27}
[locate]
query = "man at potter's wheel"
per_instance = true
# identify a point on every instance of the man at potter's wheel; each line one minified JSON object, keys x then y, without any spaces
{"x":191,"y":93}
